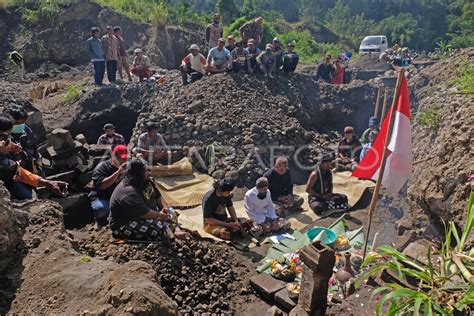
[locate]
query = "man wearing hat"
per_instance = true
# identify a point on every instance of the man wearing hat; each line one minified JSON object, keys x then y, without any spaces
{"x":325,"y":70}
{"x":219,"y":59}
{"x":193,"y":64}
{"x":141,"y":65}
{"x":110,"y":137}
{"x":240,"y":59}
{"x":373,"y":126}
{"x":278,"y":50}
{"x":268,"y":61}
{"x":348,"y":151}
{"x":290,"y":59}
{"x":214,"y":31}
{"x":105,"y":177}
{"x":253,"y":52}
{"x":252,"y":29}
{"x":259,"y":207}
{"x":319,"y":187}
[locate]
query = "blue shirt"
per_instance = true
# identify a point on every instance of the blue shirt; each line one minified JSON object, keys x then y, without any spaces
{"x":219,"y":57}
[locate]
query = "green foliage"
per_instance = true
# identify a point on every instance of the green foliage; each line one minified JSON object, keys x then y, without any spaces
{"x":437,"y":288}
{"x":151,"y":11}
{"x":465,"y":81}
{"x":430,"y":117}
{"x":36,"y":10}
{"x":84,"y":259}
{"x":227,"y":10}
{"x":73,"y":93}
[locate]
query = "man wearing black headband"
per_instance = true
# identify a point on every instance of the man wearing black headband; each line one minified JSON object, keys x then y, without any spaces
{"x":216,"y":204}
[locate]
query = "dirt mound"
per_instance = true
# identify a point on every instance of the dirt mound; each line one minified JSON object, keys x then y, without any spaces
{"x":442,"y":140}
{"x":62,"y":41}
{"x":42,"y":273}
{"x":248,"y":120}
{"x":200,"y":276}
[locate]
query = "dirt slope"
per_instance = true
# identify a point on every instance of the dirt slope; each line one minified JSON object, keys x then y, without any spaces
{"x":443,"y":152}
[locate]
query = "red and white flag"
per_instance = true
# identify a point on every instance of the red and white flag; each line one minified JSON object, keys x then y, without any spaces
{"x":399,"y":160}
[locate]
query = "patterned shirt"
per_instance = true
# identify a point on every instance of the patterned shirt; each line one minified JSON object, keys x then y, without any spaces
{"x":111,"y":47}
{"x":114,"y":140}
{"x":251,"y":30}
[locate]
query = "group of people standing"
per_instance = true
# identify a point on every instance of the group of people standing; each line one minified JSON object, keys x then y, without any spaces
{"x":109,"y":52}
{"x":243,"y":55}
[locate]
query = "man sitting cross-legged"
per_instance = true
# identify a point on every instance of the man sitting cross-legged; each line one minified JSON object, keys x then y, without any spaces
{"x":259,"y":207}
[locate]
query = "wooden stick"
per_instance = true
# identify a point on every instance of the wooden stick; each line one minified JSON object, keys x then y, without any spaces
{"x":377,"y":103}
{"x":375,"y":196}
{"x":384,"y":106}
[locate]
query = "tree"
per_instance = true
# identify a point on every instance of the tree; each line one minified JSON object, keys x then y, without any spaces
{"x":227,"y":10}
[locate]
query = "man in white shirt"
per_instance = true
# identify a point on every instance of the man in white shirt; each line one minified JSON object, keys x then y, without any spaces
{"x":193,"y":64}
{"x":259,"y":207}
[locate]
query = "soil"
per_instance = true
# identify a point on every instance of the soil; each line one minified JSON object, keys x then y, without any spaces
{"x":45,"y":268}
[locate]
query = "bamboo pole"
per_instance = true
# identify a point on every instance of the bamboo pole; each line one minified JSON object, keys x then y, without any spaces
{"x":377,"y":103}
{"x":375,"y":196}
{"x":384,"y":106}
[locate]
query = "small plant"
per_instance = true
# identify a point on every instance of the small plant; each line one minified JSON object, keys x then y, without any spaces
{"x":73,"y":93}
{"x":443,"y":286}
{"x":85,"y":259}
{"x":430,"y":117}
{"x":465,"y":81}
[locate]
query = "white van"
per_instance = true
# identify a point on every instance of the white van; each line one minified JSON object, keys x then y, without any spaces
{"x":374,"y":44}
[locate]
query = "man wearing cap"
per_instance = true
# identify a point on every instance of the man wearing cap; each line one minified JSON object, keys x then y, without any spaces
{"x":268,"y":61}
{"x":325,"y":70}
{"x":253,"y":52}
{"x":111,"y":50}
{"x":193,"y":64}
{"x":348,"y":150}
{"x":252,"y":29}
{"x":278,"y":50}
{"x":259,"y":207}
{"x":230,"y":43}
{"x":373,"y":126}
{"x":365,"y":149}
{"x":214,"y":31}
{"x":219,"y":59}
{"x":141,"y":65}
{"x":152,"y":147}
{"x":280,"y":184}
{"x":110,"y":137}
{"x":319,"y":187}
{"x":105,"y":177}
{"x":290,"y":59}
{"x":240,"y":59}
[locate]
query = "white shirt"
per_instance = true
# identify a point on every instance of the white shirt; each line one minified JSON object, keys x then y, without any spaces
{"x":258,"y":210}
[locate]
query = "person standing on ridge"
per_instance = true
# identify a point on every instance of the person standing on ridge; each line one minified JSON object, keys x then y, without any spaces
{"x":111,"y":50}
{"x":214,"y":31}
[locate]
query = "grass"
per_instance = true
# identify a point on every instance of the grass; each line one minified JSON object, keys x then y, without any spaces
{"x":84,"y":259}
{"x":151,"y":11}
{"x":430,"y":117}
{"x":73,"y":93}
{"x":465,"y":81}
{"x":441,"y":287}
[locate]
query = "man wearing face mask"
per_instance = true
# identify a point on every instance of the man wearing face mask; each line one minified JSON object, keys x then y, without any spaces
{"x":105,"y":178}
{"x":19,"y":181}
{"x":259,"y":207}
{"x":22,"y":135}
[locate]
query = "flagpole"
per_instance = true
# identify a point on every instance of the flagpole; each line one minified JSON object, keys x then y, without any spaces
{"x":375,"y":196}
{"x":377,"y":103}
{"x":384,"y":104}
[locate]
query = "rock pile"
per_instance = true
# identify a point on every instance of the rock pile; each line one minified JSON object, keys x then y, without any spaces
{"x":198,"y":276}
{"x":238,"y":123}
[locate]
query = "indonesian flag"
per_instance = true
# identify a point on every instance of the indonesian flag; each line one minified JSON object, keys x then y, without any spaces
{"x":399,"y":151}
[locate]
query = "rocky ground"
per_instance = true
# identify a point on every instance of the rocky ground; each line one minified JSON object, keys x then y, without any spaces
{"x":45,"y":268}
